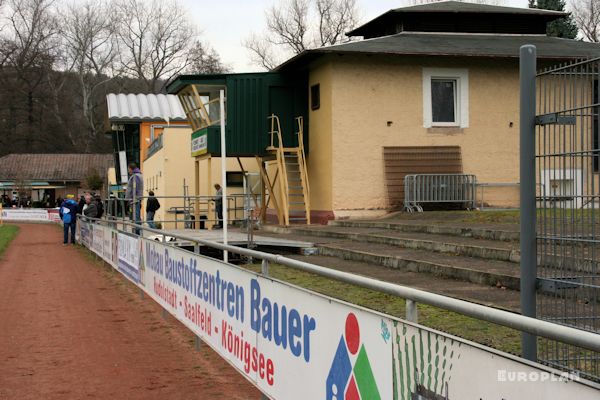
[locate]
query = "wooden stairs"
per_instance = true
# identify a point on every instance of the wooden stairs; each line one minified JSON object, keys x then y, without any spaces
{"x":287,"y":184}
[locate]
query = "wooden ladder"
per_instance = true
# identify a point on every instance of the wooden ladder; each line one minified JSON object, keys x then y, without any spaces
{"x":294,"y":190}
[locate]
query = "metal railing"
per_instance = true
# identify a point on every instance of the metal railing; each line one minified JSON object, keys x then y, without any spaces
{"x":459,"y":189}
{"x":549,"y":330}
{"x":183,"y":214}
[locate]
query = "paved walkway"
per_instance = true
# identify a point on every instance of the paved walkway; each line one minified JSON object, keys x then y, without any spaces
{"x":71,"y":328}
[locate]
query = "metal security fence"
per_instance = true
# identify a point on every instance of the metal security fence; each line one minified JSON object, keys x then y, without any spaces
{"x":567,"y":237}
{"x":458,"y":189}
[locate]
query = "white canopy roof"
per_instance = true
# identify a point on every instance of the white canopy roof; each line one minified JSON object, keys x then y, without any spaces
{"x":144,"y":107}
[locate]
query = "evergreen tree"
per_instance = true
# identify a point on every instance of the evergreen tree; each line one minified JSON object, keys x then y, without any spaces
{"x":562,"y":27}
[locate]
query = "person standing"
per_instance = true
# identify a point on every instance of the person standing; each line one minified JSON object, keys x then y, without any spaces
{"x":68,"y":215}
{"x":90,"y":210}
{"x":81,"y":205}
{"x":219,"y":205}
{"x":134,"y":194}
{"x":152,"y":205}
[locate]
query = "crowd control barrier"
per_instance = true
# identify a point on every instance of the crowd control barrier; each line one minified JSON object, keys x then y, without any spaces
{"x":458,"y":189}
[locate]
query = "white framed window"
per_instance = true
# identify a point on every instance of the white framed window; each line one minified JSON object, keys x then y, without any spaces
{"x":445,"y":97}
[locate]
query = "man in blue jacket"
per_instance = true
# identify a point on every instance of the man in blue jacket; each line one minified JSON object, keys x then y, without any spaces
{"x":68,"y":215}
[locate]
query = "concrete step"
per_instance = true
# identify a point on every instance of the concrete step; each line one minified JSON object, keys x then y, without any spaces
{"x":467,"y":269}
{"x":443,"y":265}
{"x":458,"y":245}
{"x":479,"y":231}
{"x":482,"y":294}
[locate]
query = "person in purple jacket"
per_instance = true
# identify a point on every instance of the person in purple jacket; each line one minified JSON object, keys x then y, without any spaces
{"x":68,"y":215}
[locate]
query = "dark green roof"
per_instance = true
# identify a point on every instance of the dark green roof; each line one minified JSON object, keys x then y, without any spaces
{"x":440,"y":44}
{"x":455,"y":16}
{"x":459,"y":6}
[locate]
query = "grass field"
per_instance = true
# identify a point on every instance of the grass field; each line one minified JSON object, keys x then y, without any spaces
{"x":7,"y":234}
{"x":492,"y":335}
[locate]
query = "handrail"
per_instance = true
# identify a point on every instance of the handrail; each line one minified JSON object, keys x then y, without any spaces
{"x":302,"y":165}
{"x":576,"y":337}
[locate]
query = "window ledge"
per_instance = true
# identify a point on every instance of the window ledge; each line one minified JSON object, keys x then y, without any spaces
{"x":446,"y":130}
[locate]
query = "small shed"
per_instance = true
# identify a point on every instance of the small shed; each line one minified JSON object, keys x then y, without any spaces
{"x":265,"y":116}
{"x":251,"y":99}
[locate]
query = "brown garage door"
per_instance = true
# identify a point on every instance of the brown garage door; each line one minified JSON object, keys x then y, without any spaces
{"x":406,"y":160}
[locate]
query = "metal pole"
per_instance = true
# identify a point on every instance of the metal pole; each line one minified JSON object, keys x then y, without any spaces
{"x":527,"y":189}
{"x":412,"y":313}
{"x":223,"y":171}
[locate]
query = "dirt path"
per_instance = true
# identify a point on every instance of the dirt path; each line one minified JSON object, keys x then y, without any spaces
{"x":71,"y":328}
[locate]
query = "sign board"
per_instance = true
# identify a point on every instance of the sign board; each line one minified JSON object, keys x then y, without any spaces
{"x":129,"y":256}
{"x":430,"y":365}
{"x":199,"y":142}
{"x":109,"y":241}
{"x":123,"y":166}
{"x":85,"y":233}
{"x":53,"y":215}
{"x":25,"y":214}
{"x":296,"y":344}
{"x":97,"y":239}
{"x":291,"y":343}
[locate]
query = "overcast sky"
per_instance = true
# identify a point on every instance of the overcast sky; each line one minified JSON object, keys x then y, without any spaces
{"x":225,"y":23}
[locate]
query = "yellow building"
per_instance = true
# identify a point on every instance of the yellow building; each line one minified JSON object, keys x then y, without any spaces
{"x":152,"y":131}
{"x":431,"y":89}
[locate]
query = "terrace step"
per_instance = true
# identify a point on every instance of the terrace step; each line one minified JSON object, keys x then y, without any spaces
{"x":444,"y":265}
{"x":473,"y":292}
{"x":467,"y":269}
{"x":458,"y":245}
{"x":507,"y":232}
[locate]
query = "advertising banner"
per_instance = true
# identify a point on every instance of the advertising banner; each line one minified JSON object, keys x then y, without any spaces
{"x":97,"y":239}
{"x":129,"y":256}
{"x":430,"y":365}
{"x":291,"y":343}
{"x":199,"y":142}
{"x":296,"y":344}
{"x":25,"y":214}
{"x":53,"y":215}
{"x":85,"y":233}
{"x":107,"y":244}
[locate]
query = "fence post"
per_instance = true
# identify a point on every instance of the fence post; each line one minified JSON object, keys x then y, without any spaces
{"x":527,"y":192}
{"x":265,"y":267}
{"x":412,"y":313}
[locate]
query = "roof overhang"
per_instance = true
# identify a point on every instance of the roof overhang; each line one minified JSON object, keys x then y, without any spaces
{"x":450,"y":45}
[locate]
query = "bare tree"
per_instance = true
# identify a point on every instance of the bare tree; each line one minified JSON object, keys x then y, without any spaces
{"x":290,"y":29}
{"x":586,"y":14}
{"x":90,"y":45}
{"x":154,"y":38}
{"x":205,"y":60}
{"x":28,"y":53}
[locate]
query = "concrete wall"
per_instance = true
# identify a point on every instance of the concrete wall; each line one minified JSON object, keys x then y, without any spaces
{"x":369,"y":103}
{"x":210,"y":173}
{"x":164,"y":172}
{"x":319,"y":161}
{"x":145,"y":138}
